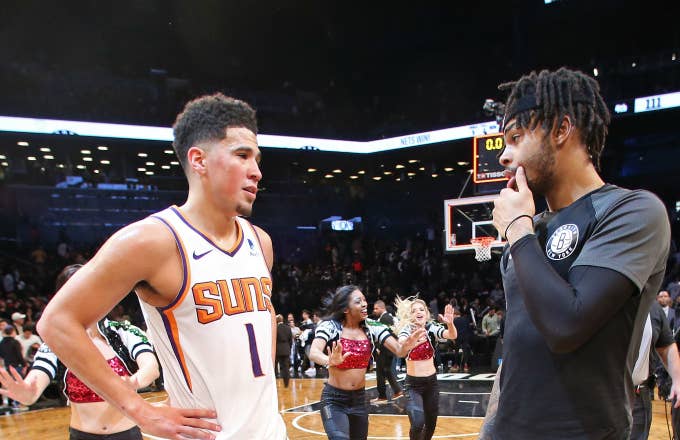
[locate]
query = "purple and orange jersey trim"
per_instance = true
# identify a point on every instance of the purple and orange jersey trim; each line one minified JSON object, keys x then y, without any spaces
{"x":267,"y":286}
{"x":231,"y":252}
{"x":166,"y":312}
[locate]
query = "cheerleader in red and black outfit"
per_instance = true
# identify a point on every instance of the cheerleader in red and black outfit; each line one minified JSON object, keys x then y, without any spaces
{"x":344,"y":342}
{"x":420,"y":387}
{"x":128,"y":353}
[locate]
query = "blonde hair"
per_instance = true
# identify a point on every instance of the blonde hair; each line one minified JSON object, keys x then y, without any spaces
{"x":404,"y":314}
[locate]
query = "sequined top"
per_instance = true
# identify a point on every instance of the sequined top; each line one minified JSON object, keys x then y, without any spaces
{"x":78,"y":392}
{"x":360,"y":353}
{"x":424,"y":350}
{"x":421,"y":352}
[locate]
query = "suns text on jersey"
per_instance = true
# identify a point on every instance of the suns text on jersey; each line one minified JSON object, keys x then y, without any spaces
{"x":215,"y":299}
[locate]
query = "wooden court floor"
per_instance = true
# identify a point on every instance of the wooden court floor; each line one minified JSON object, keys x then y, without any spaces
{"x":52,"y":423}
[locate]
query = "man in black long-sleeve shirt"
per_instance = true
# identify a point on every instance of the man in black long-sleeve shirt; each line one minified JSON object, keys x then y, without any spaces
{"x":579,"y":277}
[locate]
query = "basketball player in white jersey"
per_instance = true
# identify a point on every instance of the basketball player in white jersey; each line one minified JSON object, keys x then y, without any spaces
{"x":202,"y":275}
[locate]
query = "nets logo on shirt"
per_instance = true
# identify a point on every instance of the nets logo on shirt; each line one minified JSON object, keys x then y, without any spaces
{"x":562,"y":242}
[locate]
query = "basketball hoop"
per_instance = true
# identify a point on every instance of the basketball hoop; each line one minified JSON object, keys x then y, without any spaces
{"x":482,"y":248}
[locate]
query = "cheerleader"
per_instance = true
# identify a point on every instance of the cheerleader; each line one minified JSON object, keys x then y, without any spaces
{"x":420,"y":387}
{"x":344,"y":342}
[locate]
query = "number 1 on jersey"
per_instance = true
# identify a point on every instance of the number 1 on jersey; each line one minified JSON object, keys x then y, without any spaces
{"x":254,"y":355}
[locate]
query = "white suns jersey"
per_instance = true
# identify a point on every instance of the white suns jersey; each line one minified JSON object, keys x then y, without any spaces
{"x":214,"y":341}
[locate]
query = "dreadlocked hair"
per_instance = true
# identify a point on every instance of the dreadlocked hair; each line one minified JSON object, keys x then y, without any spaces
{"x":562,"y":93}
{"x":404,"y":311}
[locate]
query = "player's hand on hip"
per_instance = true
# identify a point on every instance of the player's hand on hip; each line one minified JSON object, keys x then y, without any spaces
{"x":514,"y":209}
{"x":178,"y":423}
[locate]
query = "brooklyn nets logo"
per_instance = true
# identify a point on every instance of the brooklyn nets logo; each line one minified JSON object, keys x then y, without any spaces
{"x":562,"y":242}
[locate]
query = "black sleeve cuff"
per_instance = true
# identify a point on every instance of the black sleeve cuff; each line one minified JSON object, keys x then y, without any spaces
{"x":521,"y":243}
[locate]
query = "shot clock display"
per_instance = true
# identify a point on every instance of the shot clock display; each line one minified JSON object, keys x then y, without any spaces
{"x":485,"y":153}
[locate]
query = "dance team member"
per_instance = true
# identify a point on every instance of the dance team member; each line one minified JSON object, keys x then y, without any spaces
{"x":420,"y":387}
{"x":127,"y":352}
{"x":349,"y":339}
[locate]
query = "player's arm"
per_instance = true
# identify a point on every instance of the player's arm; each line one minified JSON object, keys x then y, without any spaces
{"x":567,"y":312}
{"x":136,"y":253}
{"x":268,"y":252}
{"x":613,"y":265}
{"x":491,"y":408}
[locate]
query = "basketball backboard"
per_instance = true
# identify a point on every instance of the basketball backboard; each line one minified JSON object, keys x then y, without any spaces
{"x":468,"y":218}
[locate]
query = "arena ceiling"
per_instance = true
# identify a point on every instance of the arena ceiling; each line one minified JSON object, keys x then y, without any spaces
{"x":345,"y":70}
{"x":359,"y":71}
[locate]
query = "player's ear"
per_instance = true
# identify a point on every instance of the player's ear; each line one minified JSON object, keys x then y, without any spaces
{"x":562,"y":129}
{"x":196,"y":157}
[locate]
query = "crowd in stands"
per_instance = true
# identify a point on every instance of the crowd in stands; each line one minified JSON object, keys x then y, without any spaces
{"x":383,"y":268}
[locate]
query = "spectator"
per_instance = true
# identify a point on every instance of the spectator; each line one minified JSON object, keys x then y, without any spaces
{"x":18,"y":321}
{"x":296,"y":348}
{"x":465,"y":331}
{"x":284,"y":341}
{"x":664,"y":299}
{"x":491,"y":323}
{"x":12,"y":357}
{"x":385,"y":368}
{"x":27,"y":339}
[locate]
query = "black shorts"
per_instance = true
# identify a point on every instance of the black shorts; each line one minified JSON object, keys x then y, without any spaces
{"x":131,"y":434}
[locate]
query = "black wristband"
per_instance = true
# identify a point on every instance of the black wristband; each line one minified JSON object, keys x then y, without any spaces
{"x":514,"y":220}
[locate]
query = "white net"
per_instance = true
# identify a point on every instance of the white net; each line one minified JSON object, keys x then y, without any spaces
{"x":482,"y":248}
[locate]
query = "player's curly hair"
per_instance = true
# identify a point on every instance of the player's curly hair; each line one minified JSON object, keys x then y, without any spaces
{"x":206,"y":118}
{"x":546,"y":97}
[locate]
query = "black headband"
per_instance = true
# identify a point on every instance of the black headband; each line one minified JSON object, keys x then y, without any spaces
{"x":529,"y":102}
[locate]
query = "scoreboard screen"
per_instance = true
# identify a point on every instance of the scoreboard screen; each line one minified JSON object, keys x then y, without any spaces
{"x":485,"y":161}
